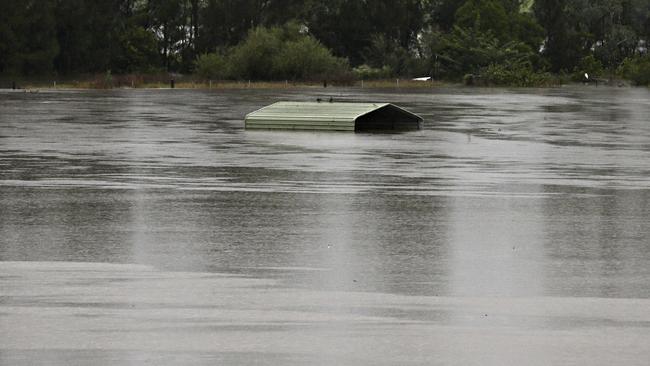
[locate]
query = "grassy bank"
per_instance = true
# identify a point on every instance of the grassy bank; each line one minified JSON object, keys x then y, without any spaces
{"x":189,"y":82}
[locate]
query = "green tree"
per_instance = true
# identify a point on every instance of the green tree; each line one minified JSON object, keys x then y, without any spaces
{"x":167,"y":20}
{"x":349,"y":26}
{"x":398,"y":20}
{"x":252,"y":58}
{"x":286,"y":52}
{"x":440,"y":14}
{"x":485,"y":16}
{"x":565,"y":43}
{"x":225,"y":23}
{"x":212,"y":66}
{"x":611,"y":30}
{"x":306,"y":58}
{"x":11,"y":15}
{"x":278,"y":12}
{"x":94,"y":35}
{"x":28,"y":40}
{"x":384,"y":52}
{"x":470,"y":50}
{"x":503,"y":18}
{"x":138,"y":51}
{"x":615,"y":28}
{"x":342,"y":25}
{"x":637,"y":69}
{"x":404,"y":37}
{"x":75,"y":37}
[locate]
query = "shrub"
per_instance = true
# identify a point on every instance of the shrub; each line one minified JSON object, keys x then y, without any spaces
{"x":251,"y":59}
{"x":138,"y":51}
{"x":387,"y":54}
{"x":522,"y":75}
{"x":468,"y":51}
{"x":211,"y":66}
{"x":366,"y":72}
{"x":274,"y":54}
{"x":306,"y":58}
{"x":587,"y":65}
{"x":636,"y":69}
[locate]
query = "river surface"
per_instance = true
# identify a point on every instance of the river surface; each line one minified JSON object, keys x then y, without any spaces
{"x":148,"y":227}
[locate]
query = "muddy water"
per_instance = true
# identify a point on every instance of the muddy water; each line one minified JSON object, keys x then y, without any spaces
{"x":148,"y":226}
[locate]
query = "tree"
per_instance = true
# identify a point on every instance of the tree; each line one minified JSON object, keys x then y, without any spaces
{"x":286,"y":52}
{"x":636,"y":69}
{"x":252,"y":58}
{"x":349,"y":26}
{"x":503,"y":18}
{"x":386,"y":52}
{"x":564,"y":45}
{"x":138,"y":51}
{"x":167,"y":20}
{"x":28,"y":38}
{"x":11,"y":14}
{"x":342,"y":25}
{"x":441,"y":13}
{"x":212,"y":66}
{"x":485,"y":16}
{"x":75,"y":36}
{"x":225,"y":23}
{"x":469,"y":50}
{"x":402,"y":36}
{"x":306,"y":58}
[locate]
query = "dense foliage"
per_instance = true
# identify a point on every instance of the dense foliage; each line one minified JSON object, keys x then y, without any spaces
{"x":272,"y":53}
{"x":636,"y":69}
{"x":510,"y":42}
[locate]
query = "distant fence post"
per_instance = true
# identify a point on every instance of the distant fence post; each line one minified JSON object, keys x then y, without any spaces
{"x":249,"y":83}
{"x":210,"y":84}
{"x":171,"y":83}
{"x":361,"y":83}
{"x":13,"y":85}
{"x":397,"y":82}
{"x":54,"y":84}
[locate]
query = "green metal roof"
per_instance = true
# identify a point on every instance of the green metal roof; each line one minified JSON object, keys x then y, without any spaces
{"x":335,"y":116}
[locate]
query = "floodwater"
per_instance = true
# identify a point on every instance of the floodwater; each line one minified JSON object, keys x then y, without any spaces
{"x":148,"y":227}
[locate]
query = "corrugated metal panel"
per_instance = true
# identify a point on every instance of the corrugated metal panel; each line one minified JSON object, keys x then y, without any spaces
{"x":310,"y":115}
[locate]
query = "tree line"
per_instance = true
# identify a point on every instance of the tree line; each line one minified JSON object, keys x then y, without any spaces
{"x":517,"y":42}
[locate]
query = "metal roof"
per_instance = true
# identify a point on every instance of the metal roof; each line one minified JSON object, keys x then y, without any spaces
{"x":325,"y":115}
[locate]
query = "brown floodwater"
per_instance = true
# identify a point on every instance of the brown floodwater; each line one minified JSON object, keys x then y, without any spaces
{"x":147,"y":226}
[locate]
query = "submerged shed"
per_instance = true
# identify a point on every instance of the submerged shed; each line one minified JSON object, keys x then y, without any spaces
{"x":332,"y":116}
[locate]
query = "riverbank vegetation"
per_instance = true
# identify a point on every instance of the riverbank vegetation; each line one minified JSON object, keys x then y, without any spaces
{"x":130,"y":43}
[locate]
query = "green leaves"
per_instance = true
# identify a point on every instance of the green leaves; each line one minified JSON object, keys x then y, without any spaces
{"x":466,"y":51}
{"x":274,"y":53}
{"x":211,"y":66}
{"x":303,"y":39}
{"x":27,"y":37}
{"x":305,"y":58}
{"x":636,"y":69}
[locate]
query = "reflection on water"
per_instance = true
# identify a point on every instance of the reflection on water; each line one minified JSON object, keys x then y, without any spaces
{"x":72,"y":313}
{"x":539,"y":197}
